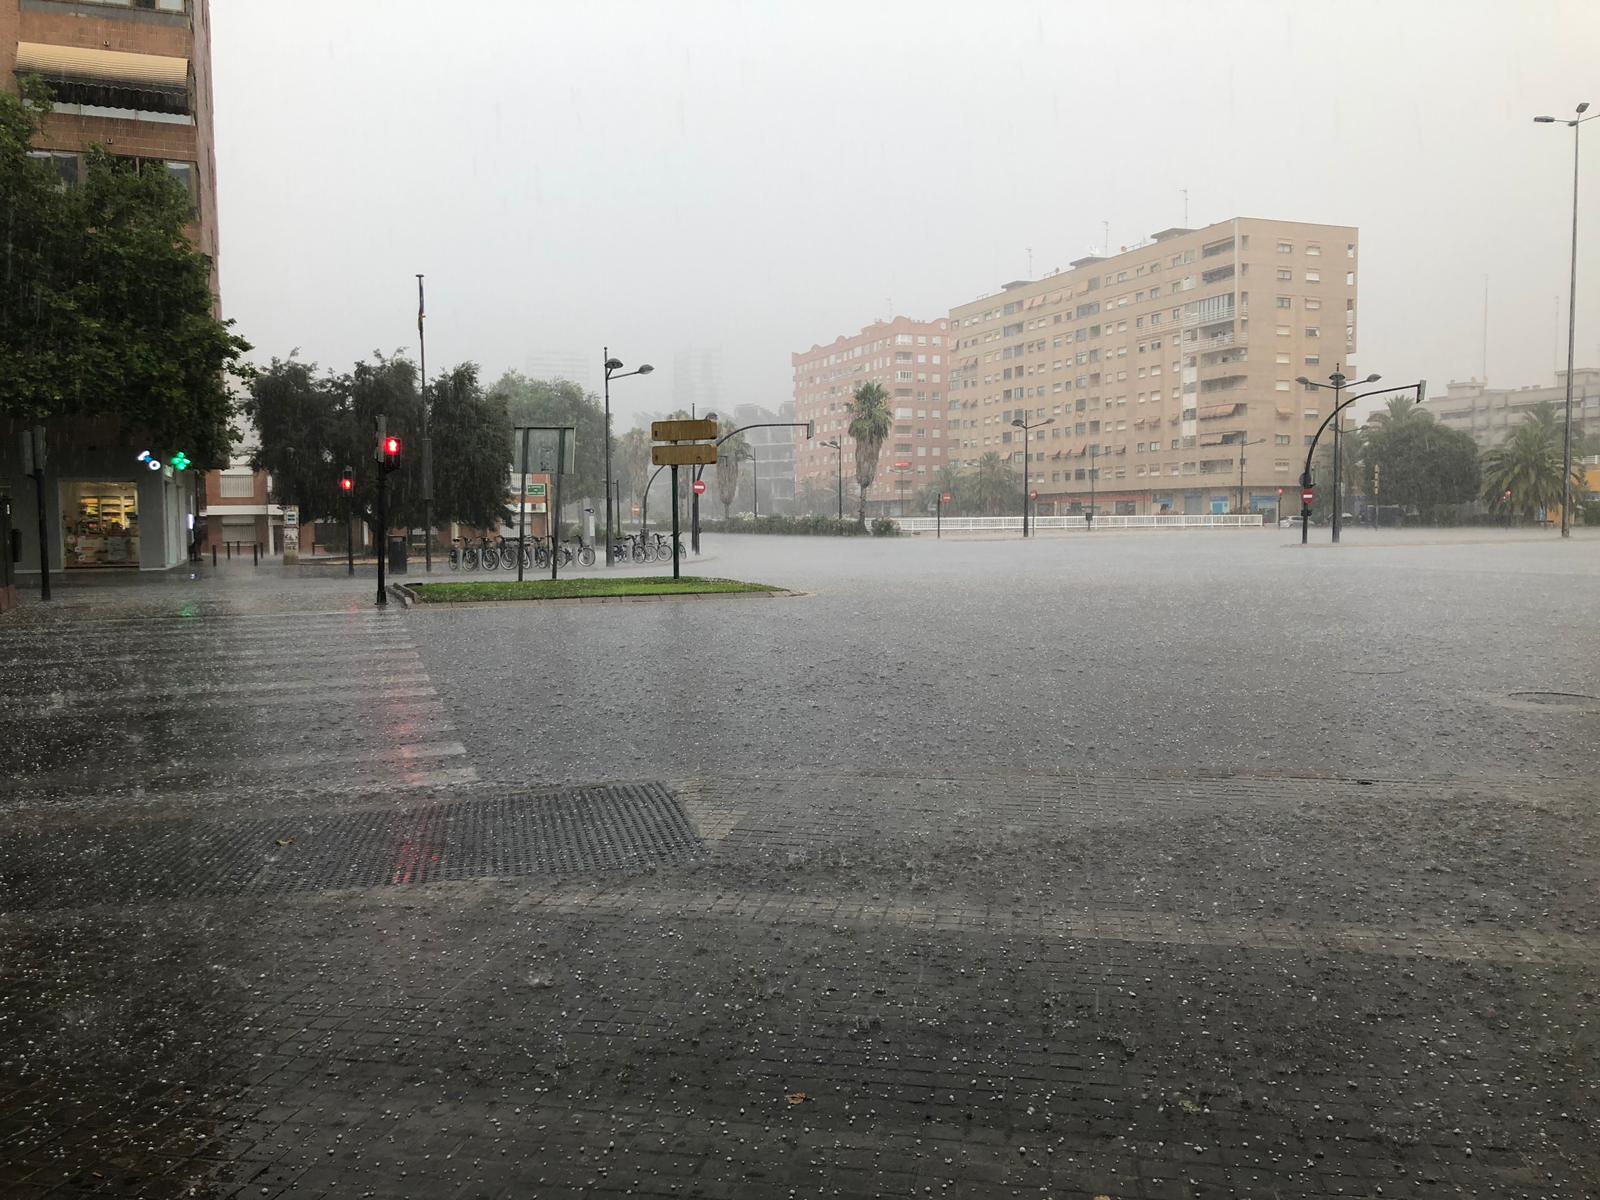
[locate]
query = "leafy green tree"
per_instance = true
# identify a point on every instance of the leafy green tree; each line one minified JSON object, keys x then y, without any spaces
{"x":1419,"y":463}
{"x":870,"y":422}
{"x":630,"y":461}
{"x":471,"y":433}
{"x":1528,"y":465}
{"x":312,"y":426}
{"x":946,"y":480}
{"x":105,"y":305}
{"x":562,"y":402}
{"x":1352,"y":468}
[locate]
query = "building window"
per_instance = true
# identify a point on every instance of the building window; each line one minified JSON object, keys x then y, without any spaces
{"x":1285,"y":275}
{"x":1313,"y":276}
{"x":1282,"y":385}
{"x":1285,"y":302}
{"x":1285,"y":248}
{"x":1312,"y":331}
{"x":1281,"y":439}
{"x":1313,"y":248}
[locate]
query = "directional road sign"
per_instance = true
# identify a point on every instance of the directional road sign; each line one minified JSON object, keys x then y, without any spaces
{"x":683,"y":455}
{"x":682,"y":431}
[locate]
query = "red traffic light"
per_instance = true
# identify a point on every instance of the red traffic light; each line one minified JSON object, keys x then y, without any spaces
{"x":391,"y":446}
{"x":347,"y":484}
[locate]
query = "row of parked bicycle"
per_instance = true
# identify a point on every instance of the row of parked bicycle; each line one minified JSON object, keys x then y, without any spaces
{"x":502,"y":553}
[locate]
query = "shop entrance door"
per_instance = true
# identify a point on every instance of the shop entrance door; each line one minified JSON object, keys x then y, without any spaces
{"x":100,"y":524}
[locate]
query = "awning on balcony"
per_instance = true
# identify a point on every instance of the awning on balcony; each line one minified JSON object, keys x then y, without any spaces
{"x":1286,"y":410}
{"x":109,"y":78}
{"x":1212,"y":412}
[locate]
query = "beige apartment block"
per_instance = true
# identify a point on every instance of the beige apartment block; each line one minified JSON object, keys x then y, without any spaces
{"x":1490,"y":414}
{"x":910,"y":359}
{"x":1159,"y":367}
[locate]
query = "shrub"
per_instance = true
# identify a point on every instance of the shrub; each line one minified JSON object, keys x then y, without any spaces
{"x":884,"y":527}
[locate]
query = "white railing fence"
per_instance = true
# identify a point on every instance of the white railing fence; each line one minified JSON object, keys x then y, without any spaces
{"x":1152,"y":521}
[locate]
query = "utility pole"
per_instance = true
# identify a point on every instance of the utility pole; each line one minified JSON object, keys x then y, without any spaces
{"x":427,"y":442}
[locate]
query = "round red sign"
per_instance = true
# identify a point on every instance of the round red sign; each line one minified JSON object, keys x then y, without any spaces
{"x":1307,"y":496}
{"x":699,"y":487}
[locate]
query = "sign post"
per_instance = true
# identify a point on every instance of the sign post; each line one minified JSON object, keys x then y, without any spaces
{"x":938,"y":520}
{"x":522,"y":509}
{"x":291,"y":534}
{"x":33,"y":458}
{"x":675,"y":516}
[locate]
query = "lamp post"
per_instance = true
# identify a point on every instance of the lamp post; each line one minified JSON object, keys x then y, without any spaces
{"x":1242,"y":445}
{"x":1338,"y":382}
{"x":1572,"y":306}
{"x":1335,"y":384}
{"x":1022,"y":424}
{"x":1094,"y":478}
{"x":613,"y":369}
{"x":838,"y":444}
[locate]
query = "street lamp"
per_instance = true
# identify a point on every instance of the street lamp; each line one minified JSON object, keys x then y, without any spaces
{"x":1242,"y":445}
{"x":613,"y":367}
{"x":1336,"y":385}
{"x":838,"y":444}
{"x":1094,"y":475}
{"x":1022,"y":424}
{"x":1572,"y":306}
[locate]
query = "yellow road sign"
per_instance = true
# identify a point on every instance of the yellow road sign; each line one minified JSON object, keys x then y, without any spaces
{"x":682,"y":431}
{"x":694,"y":454}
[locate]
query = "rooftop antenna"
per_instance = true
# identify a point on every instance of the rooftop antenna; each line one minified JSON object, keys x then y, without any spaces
{"x":1485,"y":331}
{"x":1107,"y":225}
{"x":1030,"y":262}
{"x":1185,"y":192}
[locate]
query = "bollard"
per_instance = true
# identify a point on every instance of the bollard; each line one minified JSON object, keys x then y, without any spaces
{"x":255,"y":555}
{"x":213,"y":554}
{"x":229,"y":547}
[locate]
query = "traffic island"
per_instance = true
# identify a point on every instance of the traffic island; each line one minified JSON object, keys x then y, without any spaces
{"x":585,"y":588}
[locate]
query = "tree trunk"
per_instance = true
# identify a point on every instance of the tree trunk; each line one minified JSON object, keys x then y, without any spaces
{"x":863,"y":508}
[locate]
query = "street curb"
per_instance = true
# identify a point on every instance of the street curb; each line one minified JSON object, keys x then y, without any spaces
{"x":780,"y":594}
{"x":402,"y":593}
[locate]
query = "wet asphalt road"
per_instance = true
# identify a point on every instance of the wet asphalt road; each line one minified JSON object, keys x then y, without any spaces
{"x":1195,"y":650}
{"x":1148,"y":866}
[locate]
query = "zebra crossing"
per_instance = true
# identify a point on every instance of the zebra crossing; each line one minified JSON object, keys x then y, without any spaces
{"x":218,"y":702}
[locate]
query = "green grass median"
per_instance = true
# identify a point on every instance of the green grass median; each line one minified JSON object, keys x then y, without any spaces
{"x":579,"y":588}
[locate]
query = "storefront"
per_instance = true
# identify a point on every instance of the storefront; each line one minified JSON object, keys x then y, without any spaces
{"x":100,"y":524}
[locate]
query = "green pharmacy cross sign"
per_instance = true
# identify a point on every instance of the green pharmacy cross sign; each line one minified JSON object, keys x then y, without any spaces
{"x":180,"y":461}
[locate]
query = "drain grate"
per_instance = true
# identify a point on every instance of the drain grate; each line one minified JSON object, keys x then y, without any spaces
{"x":576,"y":831}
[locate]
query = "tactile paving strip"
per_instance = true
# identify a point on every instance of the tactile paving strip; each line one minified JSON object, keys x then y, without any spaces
{"x":553,"y":834}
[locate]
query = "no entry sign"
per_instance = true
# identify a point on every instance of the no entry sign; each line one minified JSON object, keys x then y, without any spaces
{"x":1307,"y":496}
{"x":699,"y":487}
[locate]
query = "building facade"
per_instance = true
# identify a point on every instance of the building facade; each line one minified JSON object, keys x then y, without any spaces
{"x":133,"y":76}
{"x":910,"y":359}
{"x":1155,"y":371}
{"x":1490,"y":414}
{"x":774,"y":449}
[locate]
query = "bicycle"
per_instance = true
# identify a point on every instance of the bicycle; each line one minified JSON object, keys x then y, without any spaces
{"x":664,"y":546}
{"x":469,"y":555}
{"x":488,"y":555}
{"x":508,"y":555}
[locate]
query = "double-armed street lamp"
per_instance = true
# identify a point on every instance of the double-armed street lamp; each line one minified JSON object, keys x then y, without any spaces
{"x":1027,"y":430}
{"x":1336,"y":384}
{"x":1572,"y":302}
{"x":838,"y":444}
{"x":613,"y":367}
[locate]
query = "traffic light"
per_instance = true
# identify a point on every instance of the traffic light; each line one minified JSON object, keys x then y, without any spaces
{"x":347,"y":481}
{"x":1377,"y":477}
{"x":811,"y":430}
{"x":387,"y":452}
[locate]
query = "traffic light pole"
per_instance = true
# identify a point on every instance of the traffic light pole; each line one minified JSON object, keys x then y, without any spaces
{"x":350,"y":531}
{"x":383,"y":527}
{"x":522,"y":509}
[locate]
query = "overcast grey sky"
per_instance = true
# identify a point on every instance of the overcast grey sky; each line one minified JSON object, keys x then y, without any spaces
{"x":760,"y":176}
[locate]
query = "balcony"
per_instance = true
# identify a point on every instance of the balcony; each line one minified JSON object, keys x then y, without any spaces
{"x":1221,"y":341}
{"x":115,"y":80}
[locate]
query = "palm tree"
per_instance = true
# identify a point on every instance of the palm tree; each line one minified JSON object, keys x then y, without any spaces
{"x":1528,"y":465}
{"x":730,"y":456}
{"x":946,"y":481}
{"x":993,"y":485}
{"x":1397,"y":411}
{"x":870,"y":422}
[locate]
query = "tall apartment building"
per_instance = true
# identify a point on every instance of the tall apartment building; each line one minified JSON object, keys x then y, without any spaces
{"x":1158,"y":367}
{"x":909,"y":358}
{"x":697,"y":381}
{"x":133,"y":76}
{"x":773,"y":450}
{"x":1490,"y":414}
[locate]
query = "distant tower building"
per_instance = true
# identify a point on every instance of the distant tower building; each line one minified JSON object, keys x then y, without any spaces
{"x":697,"y":380}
